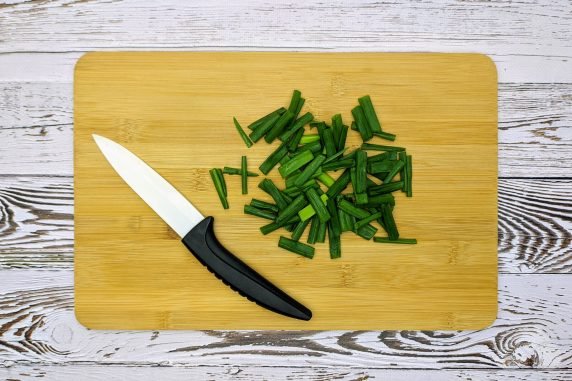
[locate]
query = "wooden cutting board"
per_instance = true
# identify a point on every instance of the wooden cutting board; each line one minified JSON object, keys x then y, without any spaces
{"x":175,"y":111}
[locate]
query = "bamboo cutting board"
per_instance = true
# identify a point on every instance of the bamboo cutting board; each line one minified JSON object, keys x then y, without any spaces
{"x":175,"y":111}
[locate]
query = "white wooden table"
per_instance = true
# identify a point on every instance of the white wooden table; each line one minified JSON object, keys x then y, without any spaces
{"x":531,"y":43}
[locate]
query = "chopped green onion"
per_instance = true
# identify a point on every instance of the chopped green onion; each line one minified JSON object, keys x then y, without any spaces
{"x":278,"y":127}
{"x":236,"y":171}
{"x":274,"y":158}
{"x":267,"y":229}
{"x":334,"y":242}
{"x":260,"y":131}
{"x":389,"y":222}
{"x":339,"y":185}
{"x":361,"y":223}
{"x":353,"y":210}
{"x":379,"y":157}
{"x":406,"y":241}
{"x":292,"y":209}
{"x":218,"y":181}
{"x":385,"y":188}
{"x":367,"y":232}
{"x":314,"y":227}
{"x":342,"y":137}
{"x":409,"y":172}
{"x":308,"y":212}
{"x":318,"y":205}
{"x":269,"y":187}
{"x":334,"y":217}
{"x":385,"y":135}
{"x":295,"y":140}
{"x":380,"y":166}
{"x":378,"y":147}
{"x":370,"y":115}
{"x":296,"y":247}
{"x":329,"y":142}
{"x":314,"y":147}
{"x":310,"y":170}
{"x":361,"y":123}
{"x":381,"y":199}
{"x":299,"y":229}
{"x":298,"y":125}
{"x":257,"y":123}
{"x":263,"y":205}
{"x":361,"y":175}
{"x":262,"y":213}
{"x":244,"y":175}
{"x":347,"y":221}
{"x":340,"y":164}
{"x":309,"y":138}
{"x":242,"y":134}
{"x":396,"y":168}
{"x":326,"y":179}
{"x":321,"y":235}
{"x":335,"y":156}
{"x":297,"y":162}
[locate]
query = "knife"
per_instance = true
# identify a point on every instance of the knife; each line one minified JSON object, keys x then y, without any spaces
{"x":197,"y":232}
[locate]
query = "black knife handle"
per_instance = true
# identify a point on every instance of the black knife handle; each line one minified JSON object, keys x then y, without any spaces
{"x":202,"y":242}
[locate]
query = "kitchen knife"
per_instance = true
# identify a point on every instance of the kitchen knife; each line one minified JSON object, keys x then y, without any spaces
{"x":197,"y":232}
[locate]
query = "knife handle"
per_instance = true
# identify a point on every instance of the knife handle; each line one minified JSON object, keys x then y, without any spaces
{"x":203,"y":244}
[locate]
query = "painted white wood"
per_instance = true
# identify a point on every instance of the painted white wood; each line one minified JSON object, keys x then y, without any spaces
{"x":73,"y":372}
{"x":533,"y":329}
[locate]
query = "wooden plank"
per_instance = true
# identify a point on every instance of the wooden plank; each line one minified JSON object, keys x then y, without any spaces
{"x":73,"y":372}
{"x":529,"y":39}
{"x":166,"y":107}
{"x":533,"y":330}
{"x":539,"y":242}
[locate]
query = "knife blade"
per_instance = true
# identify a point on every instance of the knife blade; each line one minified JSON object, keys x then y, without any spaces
{"x":197,"y":231}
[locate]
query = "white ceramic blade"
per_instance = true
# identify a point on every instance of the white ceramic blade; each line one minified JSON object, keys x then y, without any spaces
{"x":161,"y":196}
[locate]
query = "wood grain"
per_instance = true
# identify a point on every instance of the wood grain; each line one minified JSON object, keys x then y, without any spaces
{"x":526,"y":37}
{"x":538,"y":243}
{"x":73,"y":372}
{"x":174,"y":119}
{"x":532,"y":330}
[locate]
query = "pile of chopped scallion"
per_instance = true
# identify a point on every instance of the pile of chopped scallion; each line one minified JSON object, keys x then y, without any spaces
{"x":306,"y":161}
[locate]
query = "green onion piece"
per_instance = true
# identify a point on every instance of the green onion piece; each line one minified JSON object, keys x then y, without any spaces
{"x":366,"y":232}
{"x":339,"y":185}
{"x":347,"y":221}
{"x":340,"y":164}
{"x":263,"y":205}
{"x":262,"y":213}
{"x":321,"y":126}
{"x":273,"y":159}
{"x":329,"y":142}
{"x":385,"y":135}
{"x":380,"y":166}
{"x":269,"y":187}
{"x":326,"y":179}
{"x":297,"y":162}
{"x":353,"y":210}
{"x":405,"y":241}
{"x":379,"y":157}
{"x":337,"y":128}
{"x":361,"y":123}
{"x":309,"y":138}
{"x":278,"y":127}
{"x":296,"y":247}
{"x":295,"y":140}
{"x":318,"y":205}
{"x":242,"y":134}
{"x":360,"y":184}
{"x":244,"y":175}
{"x":353,"y":126}
{"x":334,"y":217}
{"x":291,"y":210}
{"x":310,"y":170}
{"x":267,"y":229}
{"x":308,"y":212}
{"x":361,"y":223}
{"x":335,"y":156}
{"x":385,"y":188}
{"x":378,"y":147}
{"x":321,"y":235}
{"x":297,"y":125}
{"x":236,"y":171}
{"x":314,"y":227}
{"x":403,"y":172}
{"x":396,"y":168}
{"x":294,"y":191}
{"x":335,"y":243}
{"x":342,"y":137}
{"x":361,"y":198}
{"x":299,"y":229}
{"x":216,"y":178}
{"x":369,"y":112}
{"x":296,"y":97}
{"x":292,"y":178}
{"x":381,"y":199}
{"x":222,"y":181}
{"x":314,"y":147}
{"x":409,"y":171}
{"x":394,"y":155}
{"x":389,"y":222}
{"x":260,"y":131}
{"x":257,"y":123}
